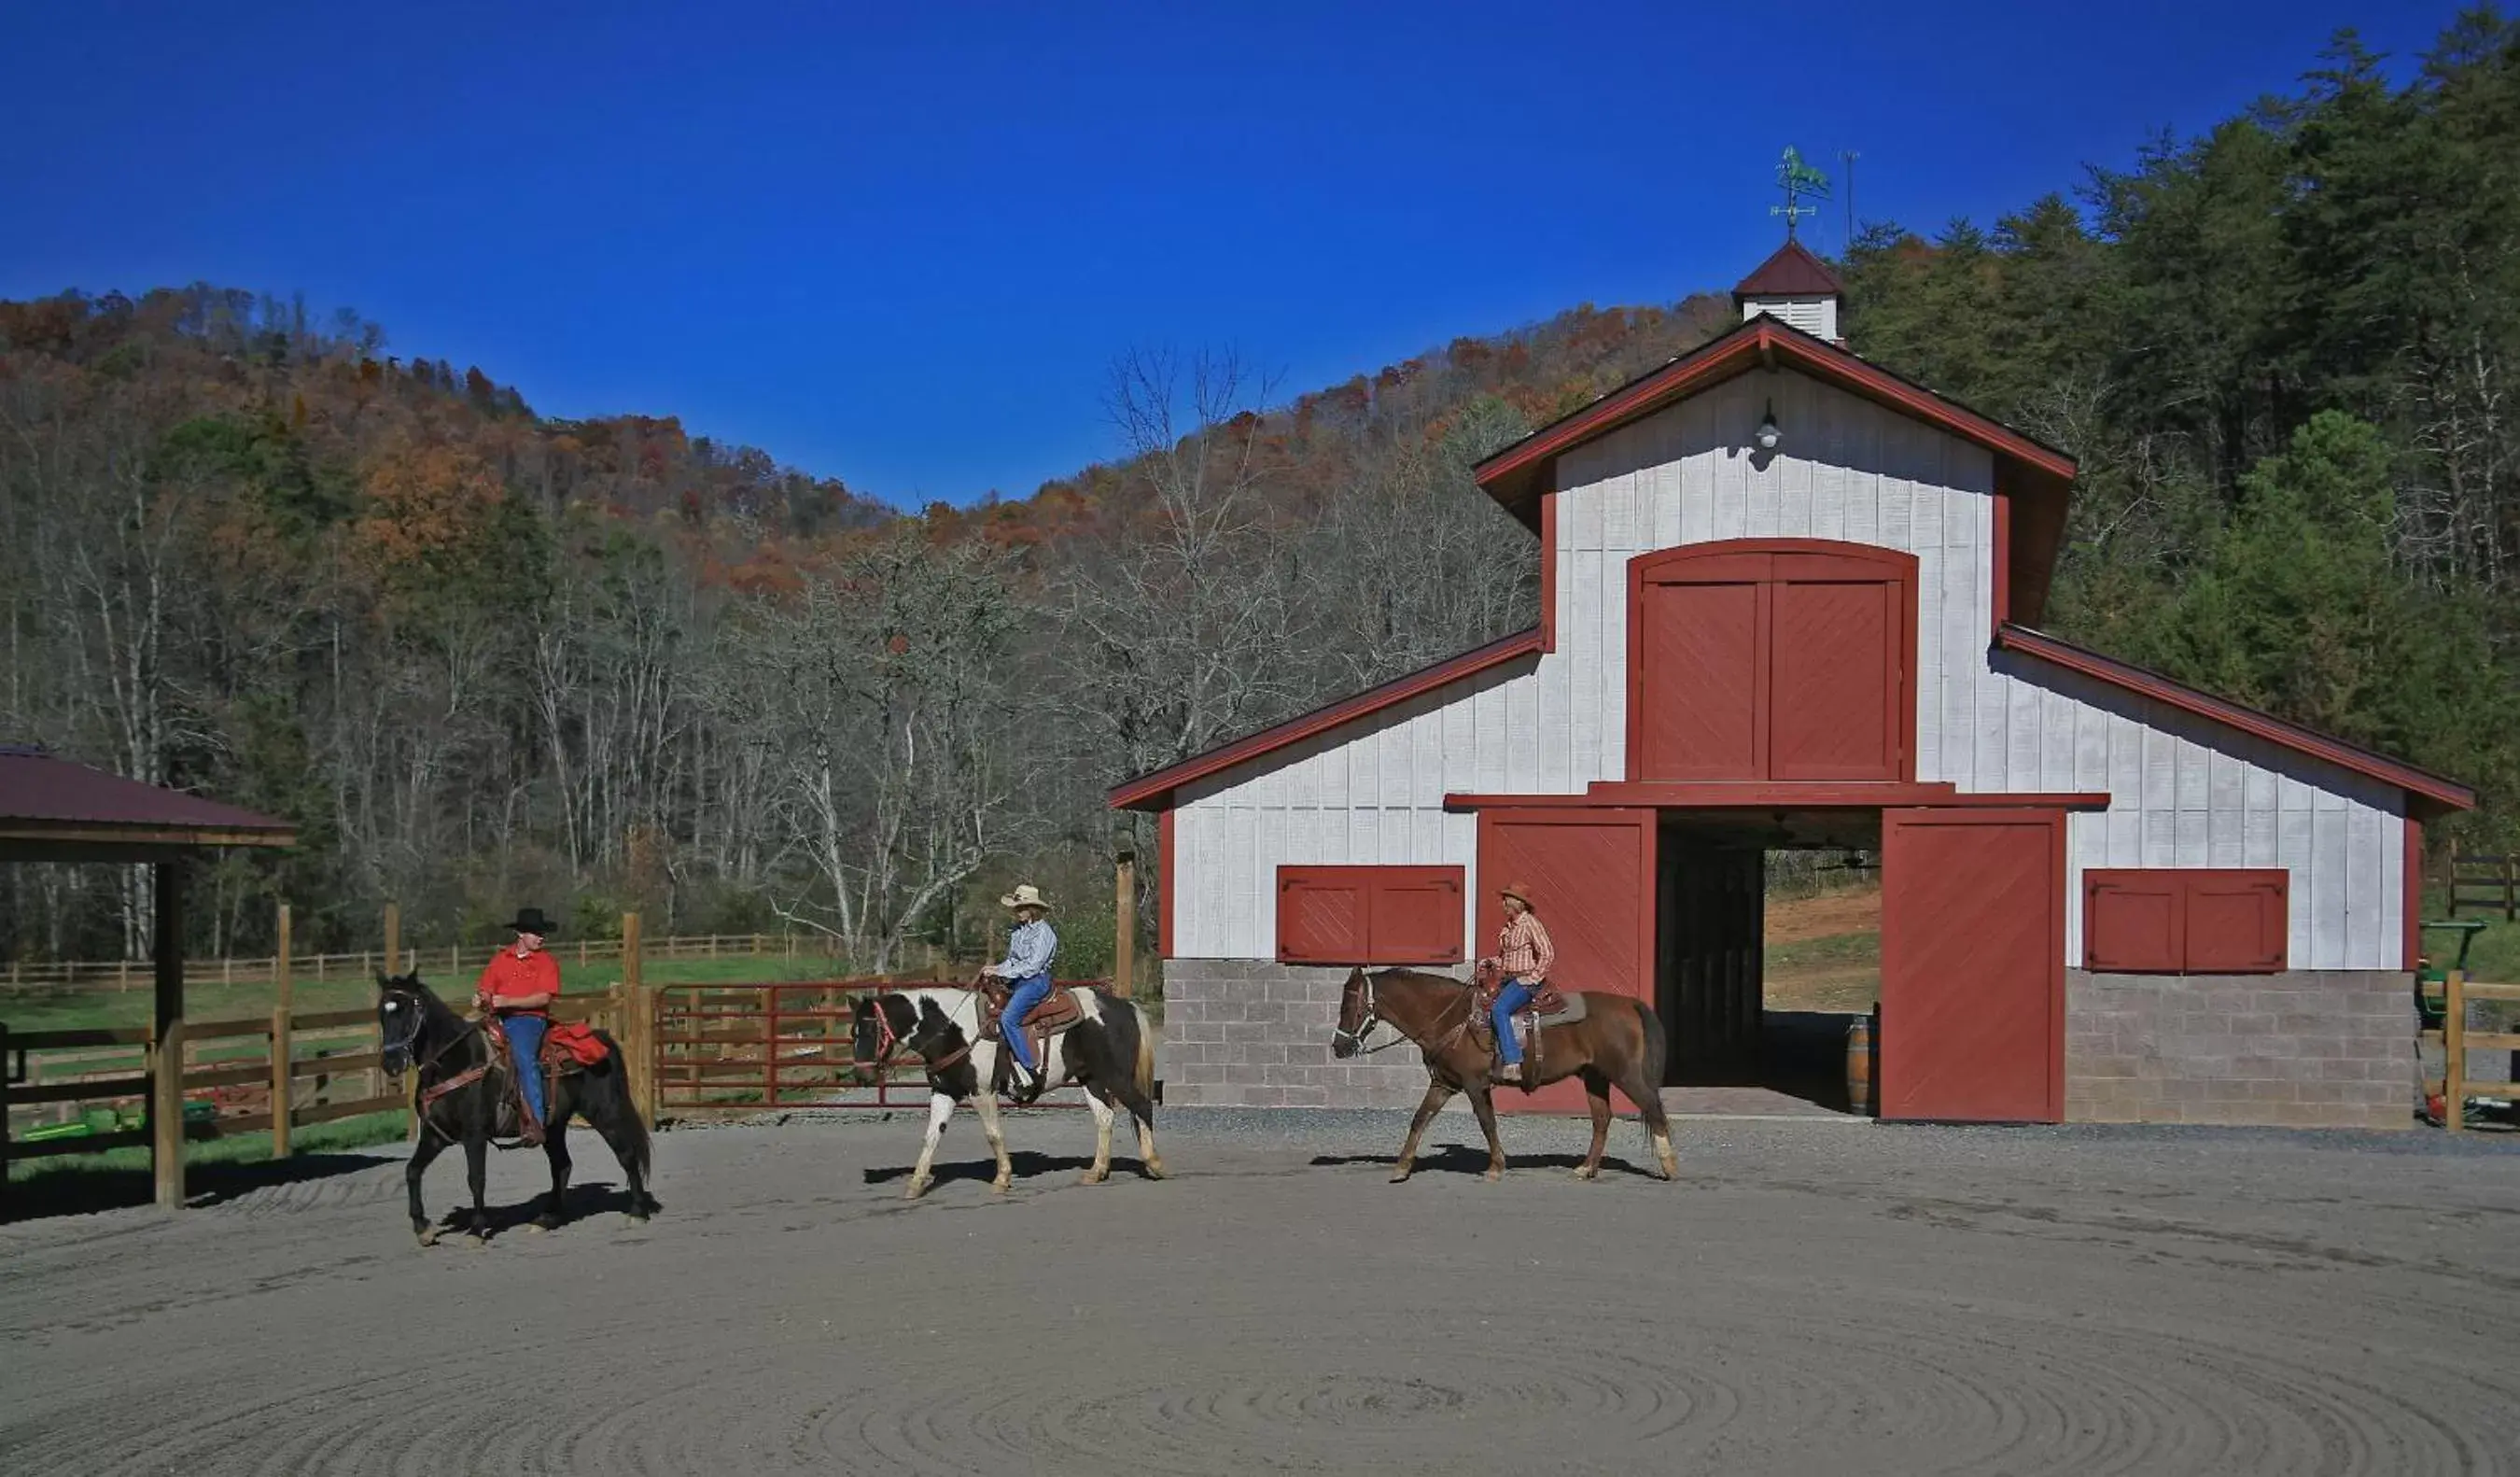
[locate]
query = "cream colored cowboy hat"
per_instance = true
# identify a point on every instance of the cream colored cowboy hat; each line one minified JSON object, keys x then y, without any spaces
{"x":1025,"y":895}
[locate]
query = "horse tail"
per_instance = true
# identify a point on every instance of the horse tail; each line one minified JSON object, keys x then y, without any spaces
{"x":1145,"y":1052}
{"x":616,"y":1067}
{"x":1657,"y":1051}
{"x":1657,"y":1044}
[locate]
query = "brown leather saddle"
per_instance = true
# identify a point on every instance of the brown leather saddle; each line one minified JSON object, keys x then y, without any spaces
{"x":1549,"y":1008}
{"x":1057,"y":1013}
{"x":557,"y":1060}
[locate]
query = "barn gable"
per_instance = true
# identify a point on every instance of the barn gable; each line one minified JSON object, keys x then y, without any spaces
{"x":1388,"y":785}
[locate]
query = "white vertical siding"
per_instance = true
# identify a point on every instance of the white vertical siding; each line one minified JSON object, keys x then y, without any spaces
{"x":2185,"y":793}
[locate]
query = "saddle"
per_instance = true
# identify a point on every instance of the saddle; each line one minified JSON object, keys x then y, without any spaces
{"x":1053,"y":1016}
{"x":569,"y":1048}
{"x":1549,"y":1006}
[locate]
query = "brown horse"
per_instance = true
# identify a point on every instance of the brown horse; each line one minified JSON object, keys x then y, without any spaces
{"x":1619,"y":1043}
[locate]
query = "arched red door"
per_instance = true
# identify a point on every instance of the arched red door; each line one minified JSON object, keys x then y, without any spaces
{"x":1777,"y":659}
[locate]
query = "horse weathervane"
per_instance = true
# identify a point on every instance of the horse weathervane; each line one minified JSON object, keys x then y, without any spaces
{"x":1798,"y":180}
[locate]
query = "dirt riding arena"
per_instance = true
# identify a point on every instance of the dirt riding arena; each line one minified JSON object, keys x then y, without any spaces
{"x":1811,"y":1296}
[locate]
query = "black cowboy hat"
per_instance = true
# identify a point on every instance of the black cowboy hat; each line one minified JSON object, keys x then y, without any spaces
{"x":530,"y":920}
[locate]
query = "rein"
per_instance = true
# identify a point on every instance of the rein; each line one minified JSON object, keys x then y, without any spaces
{"x":1372,"y":1018}
{"x":431,"y":1095}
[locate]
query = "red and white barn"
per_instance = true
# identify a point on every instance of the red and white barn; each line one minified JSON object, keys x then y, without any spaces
{"x":1791,"y":599}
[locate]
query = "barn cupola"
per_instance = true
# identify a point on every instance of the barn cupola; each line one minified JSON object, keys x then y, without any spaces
{"x":1795,"y":288}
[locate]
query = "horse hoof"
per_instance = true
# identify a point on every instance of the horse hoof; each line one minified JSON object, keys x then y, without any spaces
{"x":1399,"y":1176}
{"x":537,"y":1229}
{"x":1587,"y":1174}
{"x":1493,"y":1176}
{"x":637,"y":1218}
{"x":1094,"y":1177}
{"x":1154,"y":1169}
{"x":916,"y":1188}
{"x":430,"y":1236}
{"x":1001,"y":1184}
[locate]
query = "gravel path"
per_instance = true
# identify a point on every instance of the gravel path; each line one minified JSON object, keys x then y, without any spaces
{"x":1812,"y":1297}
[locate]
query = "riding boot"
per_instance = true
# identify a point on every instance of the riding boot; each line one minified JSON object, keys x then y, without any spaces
{"x":1510,"y":1072}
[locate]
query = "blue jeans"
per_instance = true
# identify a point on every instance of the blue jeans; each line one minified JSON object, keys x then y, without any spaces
{"x":1029,"y":991}
{"x":1515,"y":994}
{"x":525,"y":1050}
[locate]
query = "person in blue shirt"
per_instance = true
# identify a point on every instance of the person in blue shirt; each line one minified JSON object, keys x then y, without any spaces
{"x":1029,"y":950}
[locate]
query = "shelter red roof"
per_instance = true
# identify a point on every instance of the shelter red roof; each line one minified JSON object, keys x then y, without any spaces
{"x":45,"y":798}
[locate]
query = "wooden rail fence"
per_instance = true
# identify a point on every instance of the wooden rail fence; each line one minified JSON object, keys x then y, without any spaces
{"x":2485,"y":885}
{"x":458,"y":960}
{"x":86,"y":1076}
{"x":2455,"y":1086}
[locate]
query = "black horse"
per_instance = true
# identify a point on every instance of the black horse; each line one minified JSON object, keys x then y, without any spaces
{"x":468,"y":1095}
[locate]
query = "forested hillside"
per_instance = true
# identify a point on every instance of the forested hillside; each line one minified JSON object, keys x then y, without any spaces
{"x":482,"y":657}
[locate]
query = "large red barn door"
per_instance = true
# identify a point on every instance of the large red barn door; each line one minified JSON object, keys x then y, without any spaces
{"x":1973,"y":965}
{"x":1786,"y":659}
{"x":1590,"y":874}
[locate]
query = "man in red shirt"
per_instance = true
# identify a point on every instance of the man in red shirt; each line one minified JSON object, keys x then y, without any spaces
{"x":519,"y":986}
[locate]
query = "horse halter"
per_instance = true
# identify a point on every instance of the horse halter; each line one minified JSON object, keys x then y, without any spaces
{"x":887,"y":1040}
{"x":1355,"y":1039}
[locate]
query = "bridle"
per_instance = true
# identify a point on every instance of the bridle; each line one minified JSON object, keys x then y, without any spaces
{"x":411,"y":1038}
{"x":429,"y":1096}
{"x":1355,"y":1039}
{"x":889,"y":1043}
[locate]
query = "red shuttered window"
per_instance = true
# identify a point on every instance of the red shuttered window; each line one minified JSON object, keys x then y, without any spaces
{"x":1369,"y":914}
{"x":2179,"y":921}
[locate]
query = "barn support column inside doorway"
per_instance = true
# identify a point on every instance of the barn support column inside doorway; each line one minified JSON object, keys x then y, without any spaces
{"x":166,"y":1069}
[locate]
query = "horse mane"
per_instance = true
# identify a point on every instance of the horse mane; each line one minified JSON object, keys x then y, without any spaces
{"x":1427,"y":975}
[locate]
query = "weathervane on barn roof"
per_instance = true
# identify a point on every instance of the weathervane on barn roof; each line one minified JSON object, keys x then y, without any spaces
{"x":1797,"y":179}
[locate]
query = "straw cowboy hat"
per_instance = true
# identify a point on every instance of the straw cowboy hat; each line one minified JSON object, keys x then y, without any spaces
{"x":1025,"y":895}
{"x":1519,"y":892}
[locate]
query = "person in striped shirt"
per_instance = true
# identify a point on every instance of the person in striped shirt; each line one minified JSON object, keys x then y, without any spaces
{"x":1522,"y":958}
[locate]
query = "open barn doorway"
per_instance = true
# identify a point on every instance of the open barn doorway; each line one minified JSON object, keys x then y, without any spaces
{"x":1767,"y":950}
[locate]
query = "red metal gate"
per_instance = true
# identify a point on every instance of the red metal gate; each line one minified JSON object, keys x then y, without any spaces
{"x":1973,"y":965}
{"x":754,"y":1048}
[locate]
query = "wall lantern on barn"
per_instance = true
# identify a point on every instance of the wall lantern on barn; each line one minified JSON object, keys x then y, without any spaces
{"x":2092,"y":877}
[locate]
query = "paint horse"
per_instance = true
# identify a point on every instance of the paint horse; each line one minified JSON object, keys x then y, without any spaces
{"x":1605,"y":1040}
{"x":467,"y":1094}
{"x":1108,"y":1048}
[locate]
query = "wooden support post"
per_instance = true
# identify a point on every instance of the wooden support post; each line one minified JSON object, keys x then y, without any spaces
{"x":639,"y":1040}
{"x":281,"y":1045}
{"x":393,"y":938}
{"x":167,"y":1060}
{"x":4,"y":1114}
{"x":2455,"y":1051}
{"x":1124,"y":925}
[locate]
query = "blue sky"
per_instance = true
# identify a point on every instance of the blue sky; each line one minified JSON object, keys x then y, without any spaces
{"x":902,"y":244}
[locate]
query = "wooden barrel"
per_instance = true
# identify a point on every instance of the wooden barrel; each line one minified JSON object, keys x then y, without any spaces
{"x":1859,"y":1064}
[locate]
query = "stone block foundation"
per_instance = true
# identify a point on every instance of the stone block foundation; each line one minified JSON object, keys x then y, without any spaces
{"x":1252,"y":1034}
{"x":2309,"y":1048}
